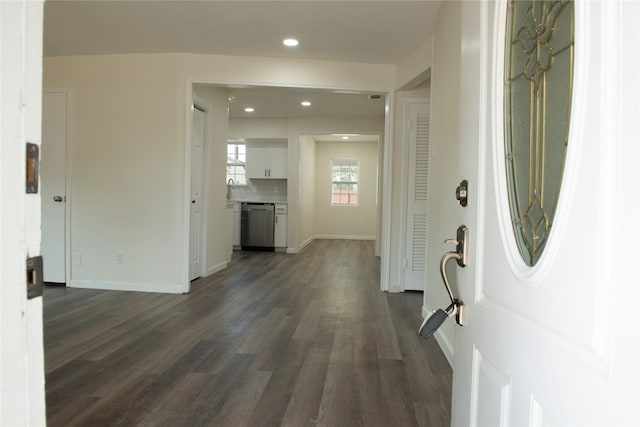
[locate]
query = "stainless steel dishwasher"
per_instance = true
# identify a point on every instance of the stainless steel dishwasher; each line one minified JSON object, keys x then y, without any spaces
{"x":257,"y":222}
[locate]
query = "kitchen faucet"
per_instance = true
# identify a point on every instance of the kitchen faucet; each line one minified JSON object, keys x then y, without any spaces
{"x":230,"y":184}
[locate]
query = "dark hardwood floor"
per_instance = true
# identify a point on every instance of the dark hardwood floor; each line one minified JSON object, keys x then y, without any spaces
{"x":273,"y":340}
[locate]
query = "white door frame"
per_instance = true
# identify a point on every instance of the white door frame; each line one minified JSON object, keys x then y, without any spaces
{"x":22,"y":399}
{"x":68,"y":195}
{"x":386,"y":172}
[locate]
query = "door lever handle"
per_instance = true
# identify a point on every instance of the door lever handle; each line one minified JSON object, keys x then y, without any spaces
{"x":437,"y":318}
{"x":458,"y":305}
{"x":461,"y":256}
{"x":462,"y":246}
{"x":443,"y":272}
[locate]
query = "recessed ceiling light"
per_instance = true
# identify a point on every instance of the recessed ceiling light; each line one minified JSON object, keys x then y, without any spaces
{"x":306,"y":103}
{"x":290,"y":42}
{"x":249,"y":110}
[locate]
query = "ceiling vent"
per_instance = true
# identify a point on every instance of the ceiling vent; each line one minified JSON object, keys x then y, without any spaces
{"x":375,"y":96}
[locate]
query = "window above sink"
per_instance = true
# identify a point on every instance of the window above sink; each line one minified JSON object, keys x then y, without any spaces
{"x":236,"y":163}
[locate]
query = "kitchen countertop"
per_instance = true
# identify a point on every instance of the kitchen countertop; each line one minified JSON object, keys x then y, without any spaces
{"x":275,"y":202}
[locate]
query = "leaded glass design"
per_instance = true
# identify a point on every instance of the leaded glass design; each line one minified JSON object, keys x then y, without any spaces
{"x":537,"y":106}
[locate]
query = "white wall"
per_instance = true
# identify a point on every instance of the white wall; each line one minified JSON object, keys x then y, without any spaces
{"x":129,"y":125}
{"x":359,"y":221}
{"x":307,"y":189}
{"x":443,"y":170}
{"x":415,"y":65}
{"x":22,"y":397}
{"x":270,"y":128}
{"x":127,"y":170}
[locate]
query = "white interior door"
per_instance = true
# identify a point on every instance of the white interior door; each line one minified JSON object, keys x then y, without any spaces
{"x":417,"y":180}
{"x":197,"y":184}
{"x":556,"y":343}
{"x":53,"y":178}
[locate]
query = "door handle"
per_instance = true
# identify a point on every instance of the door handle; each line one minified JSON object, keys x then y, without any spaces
{"x":58,"y":199}
{"x":457,"y":306}
{"x":461,"y":242}
{"x":460,"y":254}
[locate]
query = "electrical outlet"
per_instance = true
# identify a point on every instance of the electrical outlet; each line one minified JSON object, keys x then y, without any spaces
{"x":120,"y":258}
{"x":275,"y":189}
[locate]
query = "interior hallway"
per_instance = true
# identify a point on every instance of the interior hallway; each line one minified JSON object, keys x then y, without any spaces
{"x":274,"y":339}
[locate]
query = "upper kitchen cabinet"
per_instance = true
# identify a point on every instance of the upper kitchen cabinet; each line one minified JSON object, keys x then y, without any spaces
{"x":267,"y":160}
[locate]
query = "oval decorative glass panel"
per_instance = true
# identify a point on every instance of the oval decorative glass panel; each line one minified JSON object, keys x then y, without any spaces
{"x":537,"y":108}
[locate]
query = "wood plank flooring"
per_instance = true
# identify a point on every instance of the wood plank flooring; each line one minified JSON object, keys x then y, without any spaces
{"x":273,"y":340}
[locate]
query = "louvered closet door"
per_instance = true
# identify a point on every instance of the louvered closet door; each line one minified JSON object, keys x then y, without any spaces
{"x":417,"y":174}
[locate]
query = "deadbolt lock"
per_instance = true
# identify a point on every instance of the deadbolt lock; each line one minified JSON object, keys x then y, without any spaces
{"x":462,"y":192}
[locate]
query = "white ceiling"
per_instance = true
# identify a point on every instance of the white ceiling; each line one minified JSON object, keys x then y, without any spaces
{"x":285,"y":102}
{"x":382,"y":32}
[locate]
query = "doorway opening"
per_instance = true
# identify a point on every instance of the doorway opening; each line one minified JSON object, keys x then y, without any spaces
{"x":279,"y":114}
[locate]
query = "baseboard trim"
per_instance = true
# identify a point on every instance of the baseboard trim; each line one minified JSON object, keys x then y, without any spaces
{"x":215,"y":268}
{"x":166,"y":288}
{"x":441,"y":339}
{"x":306,"y":243}
{"x":342,"y":237}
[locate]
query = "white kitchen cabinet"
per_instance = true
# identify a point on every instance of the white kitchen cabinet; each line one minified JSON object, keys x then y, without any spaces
{"x":278,"y":161}
{"x":236,"y":226}
{"x":280,"y":229}
{"x":229,"y":222}
{"x":267,"y":161}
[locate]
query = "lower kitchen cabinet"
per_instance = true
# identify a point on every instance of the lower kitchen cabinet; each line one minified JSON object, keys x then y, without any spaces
{"x":236,"y":226}
{"x":280,"y":229}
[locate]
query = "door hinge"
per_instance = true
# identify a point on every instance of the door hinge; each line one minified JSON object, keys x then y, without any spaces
{"x":33,"y":158}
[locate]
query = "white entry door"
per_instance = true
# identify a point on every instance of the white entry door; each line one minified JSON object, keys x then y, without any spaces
{"x":417,"y":181}
{"x":53,"y":178}
{"x":197,"y":181}
{"x":556,"y":343}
